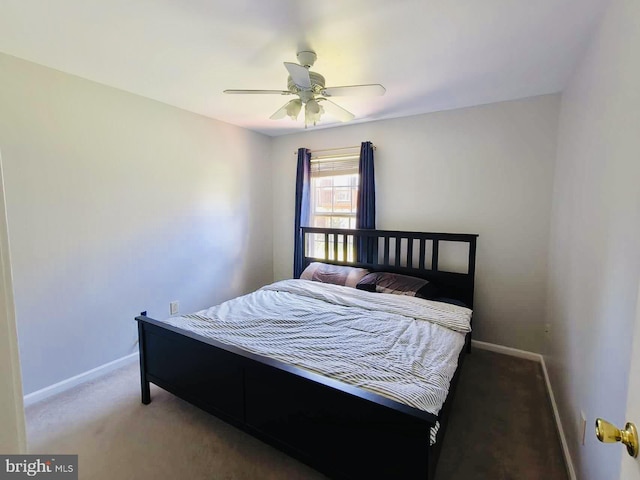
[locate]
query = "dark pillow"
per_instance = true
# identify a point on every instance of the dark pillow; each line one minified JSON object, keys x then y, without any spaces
{"x":428,"y":291}
{"x":452,"y":301}
{"x":386,"y":282}
{"x":336,"y":274}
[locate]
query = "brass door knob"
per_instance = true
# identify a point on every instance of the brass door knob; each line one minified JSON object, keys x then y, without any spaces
{"x":608,"y":433}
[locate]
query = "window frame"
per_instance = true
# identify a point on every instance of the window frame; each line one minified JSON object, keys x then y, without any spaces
{"x":332,"y":167}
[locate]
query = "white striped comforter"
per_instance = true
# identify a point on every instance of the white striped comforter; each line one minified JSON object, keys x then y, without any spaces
{"x":402,"y":347}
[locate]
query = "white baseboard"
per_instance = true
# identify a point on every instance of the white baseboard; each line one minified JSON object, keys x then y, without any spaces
{"x":536,"y":357}
{"x":69,"y":383}
{"x":563,"y":440}
{"x":513,"y":352}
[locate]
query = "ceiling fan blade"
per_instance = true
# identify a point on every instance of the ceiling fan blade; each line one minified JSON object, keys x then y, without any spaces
{"x":299,"y":75}
{"x":291,"y":108}
{"x":280,"y":113}
{"x":336,"y":110}
{"x":259,"y":92}
{"x":371,"y":90}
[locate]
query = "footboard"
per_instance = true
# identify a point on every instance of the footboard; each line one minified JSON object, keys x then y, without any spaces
{"x":338,"y":429}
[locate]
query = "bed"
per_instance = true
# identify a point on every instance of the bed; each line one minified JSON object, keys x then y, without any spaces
{"x":342,"y":427}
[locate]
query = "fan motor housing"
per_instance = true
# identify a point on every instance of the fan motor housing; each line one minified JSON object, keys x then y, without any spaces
{"x":317,"y":83}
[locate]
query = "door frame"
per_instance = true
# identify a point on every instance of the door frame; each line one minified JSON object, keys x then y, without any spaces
{"x":630,"y":467}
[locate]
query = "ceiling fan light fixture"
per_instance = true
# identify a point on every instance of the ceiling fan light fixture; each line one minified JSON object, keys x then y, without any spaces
{"x":313,"y":107}
{"x":293,"y":109}
{"x":312,"y":113}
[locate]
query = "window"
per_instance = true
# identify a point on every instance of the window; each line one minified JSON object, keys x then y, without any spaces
{"x":334,"y":197}
{"x":334,"y":201}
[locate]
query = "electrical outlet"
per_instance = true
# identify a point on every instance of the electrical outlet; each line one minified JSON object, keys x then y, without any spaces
{"x":174,"y":307}
{"x":583,"y":428}
{"x":547,"y":328}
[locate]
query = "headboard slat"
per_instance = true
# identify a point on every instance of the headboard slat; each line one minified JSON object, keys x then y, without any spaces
{"x":385,"y":260}
{"x":326,"y":246}
{"x":421,"y":260}
{"x":434,"y":255}
{"x":345,"y":243}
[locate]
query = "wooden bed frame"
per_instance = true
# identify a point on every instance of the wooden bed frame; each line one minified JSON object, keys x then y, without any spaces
{"x":340,"y":430}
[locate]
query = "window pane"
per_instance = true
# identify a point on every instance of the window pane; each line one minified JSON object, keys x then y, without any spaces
{"x":342,"y":199}
{"x":334,"y":204}
{"x":340,"y":222}
{"x":321,"y":221}
{"x":342,"y":180}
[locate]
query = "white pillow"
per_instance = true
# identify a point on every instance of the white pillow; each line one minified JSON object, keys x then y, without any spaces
{"x":336,"y":274}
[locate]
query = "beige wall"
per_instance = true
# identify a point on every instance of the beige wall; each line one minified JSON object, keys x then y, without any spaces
{"x":118,"y":204}
{"x":594,"y":261}
{"x":485,"y":170}
{"x":12,"y":425}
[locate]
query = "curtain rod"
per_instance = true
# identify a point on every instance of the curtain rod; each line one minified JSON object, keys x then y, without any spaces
{"x":334,"y":149}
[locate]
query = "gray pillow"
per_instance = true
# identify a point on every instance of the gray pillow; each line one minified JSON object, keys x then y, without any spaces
{"x":386,"y":282}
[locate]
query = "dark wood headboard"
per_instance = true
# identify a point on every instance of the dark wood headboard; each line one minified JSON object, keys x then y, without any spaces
{"x":409,"y":253}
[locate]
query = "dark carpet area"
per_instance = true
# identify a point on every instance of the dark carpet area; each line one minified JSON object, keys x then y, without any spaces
{"x":501,"y":425}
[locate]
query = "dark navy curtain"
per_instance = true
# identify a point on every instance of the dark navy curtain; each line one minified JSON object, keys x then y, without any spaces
{"x":366,"y":214}
{"x":303,"y":186}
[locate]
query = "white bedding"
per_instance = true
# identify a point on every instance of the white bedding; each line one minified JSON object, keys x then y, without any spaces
{"x":402,"y":347}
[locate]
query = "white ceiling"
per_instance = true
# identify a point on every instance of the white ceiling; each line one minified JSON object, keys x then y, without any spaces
{"x":431,"y":55}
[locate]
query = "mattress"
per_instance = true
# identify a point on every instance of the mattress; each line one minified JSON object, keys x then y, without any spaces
{"x":401,"y":347}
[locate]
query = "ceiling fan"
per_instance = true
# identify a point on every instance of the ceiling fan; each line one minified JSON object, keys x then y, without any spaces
{"x":311,"y":92}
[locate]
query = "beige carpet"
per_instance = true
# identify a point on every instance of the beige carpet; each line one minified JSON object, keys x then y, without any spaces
{"x":501,"y":429}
